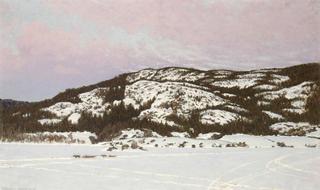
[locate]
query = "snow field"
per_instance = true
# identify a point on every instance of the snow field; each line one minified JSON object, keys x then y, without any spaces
{"x":49,"y":167}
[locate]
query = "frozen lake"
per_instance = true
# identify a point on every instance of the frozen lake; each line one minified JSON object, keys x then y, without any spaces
{"x":52,"y":166}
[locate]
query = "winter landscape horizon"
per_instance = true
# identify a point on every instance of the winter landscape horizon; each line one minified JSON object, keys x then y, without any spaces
{"x":179,"y":95}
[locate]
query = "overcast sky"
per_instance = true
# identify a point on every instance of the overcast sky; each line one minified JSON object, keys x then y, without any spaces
{"x":47,"y":46}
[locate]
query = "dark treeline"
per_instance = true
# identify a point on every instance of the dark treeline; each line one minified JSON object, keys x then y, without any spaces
{"x":120,"y":117}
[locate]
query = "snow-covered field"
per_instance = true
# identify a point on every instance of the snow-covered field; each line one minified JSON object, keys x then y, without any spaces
{"x":52,"y":166}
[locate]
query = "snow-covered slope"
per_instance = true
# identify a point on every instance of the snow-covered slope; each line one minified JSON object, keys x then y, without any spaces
{"x":91,"y":102}
{"x":218,"y":117}
{"x":297,"y":95}
{"x":173,"y":96}
{"x":169,"y":98}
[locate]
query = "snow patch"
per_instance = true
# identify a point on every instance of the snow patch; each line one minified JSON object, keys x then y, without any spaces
{"x":236,"y":108}
{"x":285,"y":127}
{"x":229,"y":95}
{"x":279,"y":79}
{"x":74,"y":118}
{"x":180,"y":134}
{"x":92,"y":103}
{"x":265,"y":87}
{"x":49,"y":121}
{"x":241,"y":83}
{"x":62,"y":109}
{"x":221,"y":117}
{"x":273,"y":115}
{"x":136,"y":133}
{"x":300,"y":91}
{"x":209,"y":136}
{"x":314,"y":134}
{"x":143,"y":74}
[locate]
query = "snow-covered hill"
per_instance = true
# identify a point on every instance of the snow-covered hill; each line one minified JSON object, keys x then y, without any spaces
{"x":189,"y":100}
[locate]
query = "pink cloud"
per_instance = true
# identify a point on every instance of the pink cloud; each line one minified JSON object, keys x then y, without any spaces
{"x":9,"y":61}
{"x":42,"y":46}
{"x":248,"y":26}
{"x":95,"y":37}
{"x":56,"y":50}
{"x":188,"y":18}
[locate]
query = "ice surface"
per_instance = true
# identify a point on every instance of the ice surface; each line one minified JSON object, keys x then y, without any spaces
{"x":28,"y":166}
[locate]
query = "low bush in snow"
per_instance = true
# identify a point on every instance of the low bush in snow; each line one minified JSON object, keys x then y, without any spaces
{"x":124,"y":147}
{"x":310,"y":145}
{"x":134,"y":145}
{"x":282,"y":144}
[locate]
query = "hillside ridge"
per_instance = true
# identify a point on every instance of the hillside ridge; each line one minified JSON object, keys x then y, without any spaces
{"x":181,"y":99}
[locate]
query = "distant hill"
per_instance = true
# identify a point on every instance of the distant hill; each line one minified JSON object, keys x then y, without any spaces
{"x":8,"y":103}
{"x":181,"y":99}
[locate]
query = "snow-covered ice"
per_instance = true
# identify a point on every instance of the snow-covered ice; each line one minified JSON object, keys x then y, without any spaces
{"x":30,"y":166}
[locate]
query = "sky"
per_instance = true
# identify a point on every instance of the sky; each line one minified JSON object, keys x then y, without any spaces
{"x":47,"y":46}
